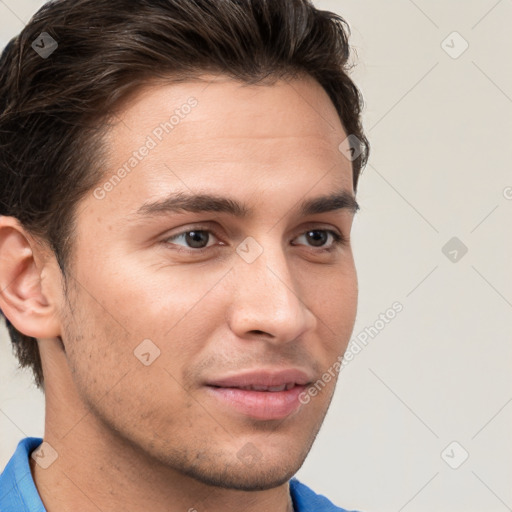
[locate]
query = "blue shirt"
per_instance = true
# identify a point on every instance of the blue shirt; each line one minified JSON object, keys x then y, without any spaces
{"x":18,"y":492}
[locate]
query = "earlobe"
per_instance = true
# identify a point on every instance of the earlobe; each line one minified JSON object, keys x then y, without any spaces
{"x":22,"y":287}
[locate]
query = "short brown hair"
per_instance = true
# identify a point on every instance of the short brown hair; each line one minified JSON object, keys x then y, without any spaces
{"x":53,"y":107}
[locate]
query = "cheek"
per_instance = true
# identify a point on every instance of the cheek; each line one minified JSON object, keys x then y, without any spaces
{"x":98,"y":347}
{"x":334,"y":299}
{"x":114,"y":383}
{"x":149,"y":293}
{"x":133,"y":313}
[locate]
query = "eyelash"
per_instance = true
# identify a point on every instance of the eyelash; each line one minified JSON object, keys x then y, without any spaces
{"x":338,"y":239}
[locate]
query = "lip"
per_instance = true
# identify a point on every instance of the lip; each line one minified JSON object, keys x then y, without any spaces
{"x":261,"y":405}
{"x":262,"y":378}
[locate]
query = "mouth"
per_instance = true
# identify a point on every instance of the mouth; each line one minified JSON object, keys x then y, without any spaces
{"x":261,"y":394}
{"x":273,"y":389}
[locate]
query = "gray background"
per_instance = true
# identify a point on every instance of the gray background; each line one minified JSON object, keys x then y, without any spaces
{"x":440,"y":125}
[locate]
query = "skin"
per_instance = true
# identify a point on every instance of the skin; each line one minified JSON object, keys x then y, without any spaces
{"x":136,"y":437}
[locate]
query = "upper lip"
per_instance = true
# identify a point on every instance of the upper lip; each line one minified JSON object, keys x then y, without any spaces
{"x":262,"y":377}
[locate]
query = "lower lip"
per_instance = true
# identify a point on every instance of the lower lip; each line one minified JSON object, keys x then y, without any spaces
{"x":262,"y":405}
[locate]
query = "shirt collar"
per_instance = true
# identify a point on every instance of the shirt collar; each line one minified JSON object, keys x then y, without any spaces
{"x":18,"y":490}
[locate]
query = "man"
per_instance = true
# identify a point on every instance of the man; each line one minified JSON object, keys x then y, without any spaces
{"x":178,"y":186}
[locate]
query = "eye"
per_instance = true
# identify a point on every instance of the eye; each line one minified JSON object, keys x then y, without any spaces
{"x":318,"y":238}
{"x":193,"y":239}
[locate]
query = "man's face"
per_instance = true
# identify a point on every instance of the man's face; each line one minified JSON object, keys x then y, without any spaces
{"x":172,"y":312}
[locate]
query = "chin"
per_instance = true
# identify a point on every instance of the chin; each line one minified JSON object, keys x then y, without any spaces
{"x":244,"y":479}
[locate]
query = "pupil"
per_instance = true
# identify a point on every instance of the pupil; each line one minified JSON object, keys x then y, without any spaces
{"x":196,"y":238}
{"x":319,"y":239}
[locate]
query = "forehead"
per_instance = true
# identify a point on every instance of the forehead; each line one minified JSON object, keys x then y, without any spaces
{"x":238,"y":108}
{"x":207,"y":134}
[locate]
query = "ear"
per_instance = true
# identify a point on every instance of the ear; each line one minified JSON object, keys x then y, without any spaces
{"x":29,"y":282}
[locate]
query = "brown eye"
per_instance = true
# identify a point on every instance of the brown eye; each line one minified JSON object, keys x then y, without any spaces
{"x":319,"y":237}
{"x":192,"y":239}
{"x":197,"y":239}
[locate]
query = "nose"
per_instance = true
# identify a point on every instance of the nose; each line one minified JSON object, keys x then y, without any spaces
{"x":267,"y":300}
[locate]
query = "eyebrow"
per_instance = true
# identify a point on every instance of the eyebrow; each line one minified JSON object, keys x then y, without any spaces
{"x":183,"y":202}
